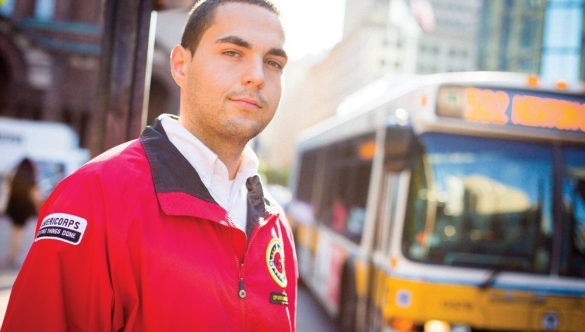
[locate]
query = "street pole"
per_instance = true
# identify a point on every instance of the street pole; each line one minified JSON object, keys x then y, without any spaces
{"x":124,"y":78}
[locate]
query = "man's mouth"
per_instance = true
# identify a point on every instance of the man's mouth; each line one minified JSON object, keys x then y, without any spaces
{"x":247,"y":102}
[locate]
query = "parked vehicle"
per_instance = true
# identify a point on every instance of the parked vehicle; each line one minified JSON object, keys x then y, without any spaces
{"x":54,"y":147}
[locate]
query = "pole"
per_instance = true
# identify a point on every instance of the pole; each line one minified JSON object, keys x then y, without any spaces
{"x":124,"y":79}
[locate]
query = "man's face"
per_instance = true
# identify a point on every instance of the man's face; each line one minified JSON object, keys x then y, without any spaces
{"x":231,"y":86}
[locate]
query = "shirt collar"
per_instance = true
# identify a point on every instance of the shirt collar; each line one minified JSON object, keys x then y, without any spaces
{"x":177,"y":183}
{"x":204,"y":161}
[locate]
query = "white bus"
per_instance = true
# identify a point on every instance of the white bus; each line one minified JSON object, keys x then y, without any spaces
{"x":449,"y":202}
{"x":54,"y":147}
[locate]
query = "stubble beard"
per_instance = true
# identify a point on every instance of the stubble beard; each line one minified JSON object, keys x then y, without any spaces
{"x":240,"y":132}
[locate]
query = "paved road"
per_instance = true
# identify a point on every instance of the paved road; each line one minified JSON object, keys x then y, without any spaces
{"x":8,"y":274}
{"x":310,"y":317}
{"x":6,"y":280}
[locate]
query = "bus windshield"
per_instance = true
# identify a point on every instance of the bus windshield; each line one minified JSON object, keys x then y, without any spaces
{"x":488,"y":203}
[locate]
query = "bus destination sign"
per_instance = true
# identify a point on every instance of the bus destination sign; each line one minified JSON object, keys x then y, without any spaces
{"x":513,"y":107}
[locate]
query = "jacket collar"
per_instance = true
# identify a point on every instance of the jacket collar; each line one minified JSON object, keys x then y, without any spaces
{"x":179,"y":188}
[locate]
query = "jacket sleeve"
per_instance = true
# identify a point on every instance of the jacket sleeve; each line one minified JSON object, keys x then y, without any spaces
{"x":63,"y":284}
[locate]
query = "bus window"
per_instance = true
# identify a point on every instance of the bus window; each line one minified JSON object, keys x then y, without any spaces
{"x":573,"y":255}
{"x":300,"y":210}
{"x":307,"y":176}
{"x":346,"y":179}
{"x":472,"y":203}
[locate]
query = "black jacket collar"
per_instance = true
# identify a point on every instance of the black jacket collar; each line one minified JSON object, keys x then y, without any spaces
{"x":173,"y":174}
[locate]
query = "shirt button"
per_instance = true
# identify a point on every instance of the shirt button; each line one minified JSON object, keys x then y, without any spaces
{"x":242,"y":294}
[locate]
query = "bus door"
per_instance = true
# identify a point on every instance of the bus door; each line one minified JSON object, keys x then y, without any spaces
{"x":389,"y":211}
{"x":382,"y":261}
{"x":561,"y":304}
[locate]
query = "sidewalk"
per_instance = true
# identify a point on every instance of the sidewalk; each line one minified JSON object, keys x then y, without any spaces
{"x":6,"y":281}
{"x":8,"y":275}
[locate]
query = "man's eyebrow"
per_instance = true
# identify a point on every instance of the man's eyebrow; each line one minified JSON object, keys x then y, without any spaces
{"x":243,"y":43}
{"x":278,"y":52}
{"x":233,"y":40}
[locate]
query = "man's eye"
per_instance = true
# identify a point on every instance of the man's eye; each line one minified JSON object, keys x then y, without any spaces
{"x":232,"y":54}
{"x":274,"y":64}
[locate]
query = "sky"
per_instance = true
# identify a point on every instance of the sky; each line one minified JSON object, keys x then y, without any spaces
{"x":311,"y":26}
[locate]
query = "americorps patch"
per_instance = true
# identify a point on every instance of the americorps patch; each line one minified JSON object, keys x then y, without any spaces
{"x":63,"y":227}
{"x":275,"y":261}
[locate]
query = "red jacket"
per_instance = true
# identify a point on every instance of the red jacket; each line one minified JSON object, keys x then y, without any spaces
{"x":134,"y":241}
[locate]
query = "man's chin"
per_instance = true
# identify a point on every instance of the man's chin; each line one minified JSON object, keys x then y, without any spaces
{"x":244,"y":130}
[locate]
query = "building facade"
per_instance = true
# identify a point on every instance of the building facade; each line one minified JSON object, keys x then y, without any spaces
{"x":50,"y":61}
{"x":49,"y":56}
{"x":511,"y":35}
{"x":563,"y":40}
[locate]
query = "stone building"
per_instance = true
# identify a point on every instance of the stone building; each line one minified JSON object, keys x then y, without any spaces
{"x":50,"y":62}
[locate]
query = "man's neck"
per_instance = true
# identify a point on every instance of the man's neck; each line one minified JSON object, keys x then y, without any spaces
{"x":232,"y":161}
{"x":228,"y":151}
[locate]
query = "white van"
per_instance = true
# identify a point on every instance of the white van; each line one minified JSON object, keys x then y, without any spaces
{"x":54,"y":147}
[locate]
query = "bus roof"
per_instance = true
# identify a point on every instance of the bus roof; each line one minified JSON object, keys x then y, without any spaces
{"x":361,"y":109}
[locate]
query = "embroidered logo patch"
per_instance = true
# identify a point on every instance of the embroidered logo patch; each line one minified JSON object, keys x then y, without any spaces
{"x":278,"y":298}
{"x":63,"y":227}
{"x":275,"y":261}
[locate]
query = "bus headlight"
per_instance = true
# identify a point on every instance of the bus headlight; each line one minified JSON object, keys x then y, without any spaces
{"x":437,"y":326}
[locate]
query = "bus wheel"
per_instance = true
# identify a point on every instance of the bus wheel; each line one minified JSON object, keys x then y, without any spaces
{"x":348,"y":304}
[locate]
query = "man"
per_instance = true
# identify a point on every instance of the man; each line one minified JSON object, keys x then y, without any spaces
{"x":173,"y":232}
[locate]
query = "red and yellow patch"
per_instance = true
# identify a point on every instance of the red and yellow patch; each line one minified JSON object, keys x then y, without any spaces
{"x":275,"y":262}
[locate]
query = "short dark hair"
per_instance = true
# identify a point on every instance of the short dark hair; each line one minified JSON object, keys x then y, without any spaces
{"x":201,"y":17}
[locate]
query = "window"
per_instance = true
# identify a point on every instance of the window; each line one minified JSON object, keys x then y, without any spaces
{"x":573,"y":253}
{"x":306,"y":180}
{"x":334,"y":181}
{"x":45,"y":10}
{"x":473,"y":204}
{"x":7,"y":8}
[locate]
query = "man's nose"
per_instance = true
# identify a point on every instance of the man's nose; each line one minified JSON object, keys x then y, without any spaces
{"x":254,"y":73}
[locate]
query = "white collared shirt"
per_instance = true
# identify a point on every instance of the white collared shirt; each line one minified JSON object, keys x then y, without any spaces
{"x":230,"y":194}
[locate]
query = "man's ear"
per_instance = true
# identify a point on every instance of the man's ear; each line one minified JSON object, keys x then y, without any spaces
{"x":179,"y":61}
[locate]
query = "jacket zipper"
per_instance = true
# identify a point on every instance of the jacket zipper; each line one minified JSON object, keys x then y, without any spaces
{"x":241,"y":288}
{"x":241,"y":285}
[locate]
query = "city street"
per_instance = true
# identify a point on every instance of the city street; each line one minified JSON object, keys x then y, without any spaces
{"x":8,"y":274}
{"x":310,"y":317}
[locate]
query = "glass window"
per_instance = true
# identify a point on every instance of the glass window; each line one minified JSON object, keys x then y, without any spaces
{"x":387,"y":210}
{"x":474,"y":203}
{"x":7,"y":7}
{"x":300,"y":210}
{"x":306,"y":176}
{"x":573,"y":252}
{"x":45,"y":10}
{"x":347,"y":168}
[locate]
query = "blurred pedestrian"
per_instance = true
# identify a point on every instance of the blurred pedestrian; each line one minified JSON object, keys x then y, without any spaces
{"x":172,"y":231}
{"x":24,"y":201}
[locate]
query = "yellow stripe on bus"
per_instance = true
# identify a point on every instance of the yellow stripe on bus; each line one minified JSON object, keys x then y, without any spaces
{"x":470,"y":305}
